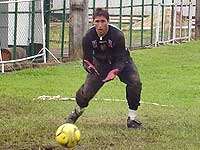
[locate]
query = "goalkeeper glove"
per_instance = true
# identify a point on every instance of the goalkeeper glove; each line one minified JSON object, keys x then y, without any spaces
{"x":89,"y":67}
{"x":111,"y":75}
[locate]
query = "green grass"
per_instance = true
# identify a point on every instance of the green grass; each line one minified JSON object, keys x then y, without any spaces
{"x":170,"y":76}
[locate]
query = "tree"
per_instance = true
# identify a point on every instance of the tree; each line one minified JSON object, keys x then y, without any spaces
{"x":78,"y":25}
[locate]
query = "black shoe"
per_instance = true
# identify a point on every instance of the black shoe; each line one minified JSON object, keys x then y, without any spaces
{"x":73,"y":117}
{"x":134,"y":124}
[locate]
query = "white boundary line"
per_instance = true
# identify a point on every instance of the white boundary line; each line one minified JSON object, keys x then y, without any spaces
{"x":60,"y":98}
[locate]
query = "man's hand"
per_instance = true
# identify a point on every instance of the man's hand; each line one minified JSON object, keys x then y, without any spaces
{"x":90,"y":67}
{"x":111,"y":75}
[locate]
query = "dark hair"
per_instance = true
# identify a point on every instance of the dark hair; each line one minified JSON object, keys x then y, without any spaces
{"x":100,"y":12}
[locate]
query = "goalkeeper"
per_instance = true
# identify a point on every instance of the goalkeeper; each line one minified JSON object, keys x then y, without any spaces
{"x":104,"y":58}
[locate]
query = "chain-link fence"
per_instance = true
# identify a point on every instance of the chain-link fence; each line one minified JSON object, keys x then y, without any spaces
{"x":21,"y":27}
{"x":22,"y":31}
{"x":57,"y":14}
{"x":144,"y":22}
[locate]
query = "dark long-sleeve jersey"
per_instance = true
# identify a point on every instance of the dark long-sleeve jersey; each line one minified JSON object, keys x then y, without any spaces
{"x":108,"y":49}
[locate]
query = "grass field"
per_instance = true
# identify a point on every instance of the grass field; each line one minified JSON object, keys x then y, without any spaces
{"x":170,"y":76}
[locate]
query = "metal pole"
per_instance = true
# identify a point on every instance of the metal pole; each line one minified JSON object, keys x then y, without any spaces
{"x":181,"y":19}
{"x":63,"y":30}
{"x":107,"y":4}
{"x":15,"y":31}
{"x":94,"y":5}
{"x":152,"y":15}
{"x":131,"y":25}
{"x":197,"y":20}
{"x":172,"y":20}
{"x":174,"y":25}
{"x":190,"y":21}
{"x":47,"y":21}
{"x":32,"y":28}
{"x":169,"y":27}
{"x":157,"y":26}
{"x":43,"y":32}
{"x":162,"y":27}
{"x":142,"y":25}
{"x":120,"y":14}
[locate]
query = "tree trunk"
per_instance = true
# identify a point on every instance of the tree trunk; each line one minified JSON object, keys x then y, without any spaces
{"x":78,"y":25}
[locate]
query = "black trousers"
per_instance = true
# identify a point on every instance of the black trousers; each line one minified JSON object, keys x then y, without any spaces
{"x":129,"y":75}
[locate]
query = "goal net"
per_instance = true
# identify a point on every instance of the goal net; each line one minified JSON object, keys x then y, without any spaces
{"x":22,"y":32}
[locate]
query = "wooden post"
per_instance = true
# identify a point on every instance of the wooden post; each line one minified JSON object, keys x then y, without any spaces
{"x":197,"y":20}
{"x":78,"y":25}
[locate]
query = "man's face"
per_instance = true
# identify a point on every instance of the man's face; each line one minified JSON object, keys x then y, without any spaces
{"x":101,"y":24}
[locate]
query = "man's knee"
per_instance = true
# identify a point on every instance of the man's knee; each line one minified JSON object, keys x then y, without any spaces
{"x":135,"y":84}
{"x":82,"y":98}
{"x":133,"y":94}
{"x":138,"y":85}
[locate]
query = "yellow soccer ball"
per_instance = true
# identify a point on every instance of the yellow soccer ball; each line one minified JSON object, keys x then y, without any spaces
{"x":68,"y":135}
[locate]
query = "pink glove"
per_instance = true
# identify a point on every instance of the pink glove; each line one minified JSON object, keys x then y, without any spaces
{"x":90,"y":67}
{"x":111,"y":75}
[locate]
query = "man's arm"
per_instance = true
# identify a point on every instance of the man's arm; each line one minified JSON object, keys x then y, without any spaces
{"x":87,"y":49}
{"x":89,"y":67}
{"x":88,"y":56}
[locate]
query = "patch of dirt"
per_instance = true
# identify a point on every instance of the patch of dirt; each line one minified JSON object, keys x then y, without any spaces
{"x":26,"y":64}
{"x":36,"y":147}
